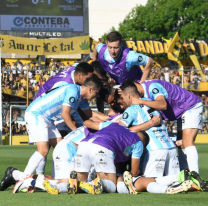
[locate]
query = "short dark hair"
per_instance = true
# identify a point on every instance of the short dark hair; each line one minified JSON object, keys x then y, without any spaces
{"x":98,"y":68}
{"x":114,"y":36}
{"x":93,"y":81}
{"x":129,"y":84}
{"x":84,"y":68}
{"x":105,"y":92}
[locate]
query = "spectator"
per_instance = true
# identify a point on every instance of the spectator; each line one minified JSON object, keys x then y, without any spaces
{"x":33,"y":82}
{"x":30,"y":74}
{"x":24,"y":68}
{"x":46,"y":76}
{"x":39,"y":71}
{"x":36,"y":88}
{"x":14,"y":69}
{"x":192,"y":77}
{"x":186,"y":77}
{"x":37,"y":76}
{"x":167,"y":74}
{"x":23,"y":81}
{"x":5,"y":129}
{"x":11,"y":79}
{"x":68,"y":65}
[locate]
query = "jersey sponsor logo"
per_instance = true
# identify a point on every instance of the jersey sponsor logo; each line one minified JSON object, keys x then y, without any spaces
{"x":125,"y":115}
{"x":160,"y":168}
{"x":140,"y":58}
{"x":72,"y":99}
{"x":155,"y":91}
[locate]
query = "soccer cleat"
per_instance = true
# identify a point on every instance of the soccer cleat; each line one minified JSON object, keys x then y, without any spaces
{"x":182,"y":187}
{"x":128,"y":181}
{"x":72,"y":186}
{"x":22,"y":184}
{"x":88,"y":188}
{"x":194,"y":187}
{"x":183,"y":176}
{"x":98,"y":188}
{"x":8,"y":179}
{"x":202,"y":184}
{"x":51,"y":189}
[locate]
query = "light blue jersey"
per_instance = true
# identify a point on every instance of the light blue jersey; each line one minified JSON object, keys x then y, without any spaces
{"x":132,"y":59}
{"x":134,"y":150}
{"x":50,"y":105}
{"x":83,"y":104}
{"x":155,"y":90}
{"x":139,"y":114}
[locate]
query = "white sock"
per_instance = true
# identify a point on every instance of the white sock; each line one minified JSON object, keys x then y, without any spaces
{"x":167,"y":180}
{"x":33,"y":163}
{"x":39,"y":184}
{"x":108,"y":186}
{"x":153,"y":187}
{"x":121,"y":188}
{"x":41,"y":167}
{"x":17,"y":175}
{"x":192,"y":158}
{"x":53,"y":170}
{"x":182,"y":159}
{"x":62,"y":187}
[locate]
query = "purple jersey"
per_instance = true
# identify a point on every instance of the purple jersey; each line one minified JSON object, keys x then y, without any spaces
{"x":179,"y":100}
{"x":65,"y":75}
{"x":116,"y":138}
{"x":118,"y":70}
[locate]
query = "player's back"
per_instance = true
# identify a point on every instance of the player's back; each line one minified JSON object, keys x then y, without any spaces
{"x":50,"y":104}
{"x":158,"y":135}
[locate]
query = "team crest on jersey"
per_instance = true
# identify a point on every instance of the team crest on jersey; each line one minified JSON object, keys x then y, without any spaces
{"x":72,"y":99}
{"x":125,"y":115}
{"x":140,"y":58}
{"x":70,"y":1}
{"x":155,"y":91}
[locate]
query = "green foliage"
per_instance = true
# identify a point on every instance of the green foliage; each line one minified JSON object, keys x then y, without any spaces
{"x":163,"y":18}
{"x":84,"y":45}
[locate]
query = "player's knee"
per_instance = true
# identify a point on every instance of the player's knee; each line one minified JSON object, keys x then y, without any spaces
{"x":43,"y":151}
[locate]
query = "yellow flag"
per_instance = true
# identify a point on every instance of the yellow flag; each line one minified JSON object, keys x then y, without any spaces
{"x":174,"y":48}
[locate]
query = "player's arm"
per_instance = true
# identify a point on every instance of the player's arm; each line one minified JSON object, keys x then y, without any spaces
{"x":160,"y":103}
{"x":67,"y":117}
{"x":95,"y":54}
{"x":100,"y":116}
{"x":135,"y":167}
{"x":127,"y":117}
{"x":147,"y":69}
{"x":136,"y":153}
{"x":156,"y":120}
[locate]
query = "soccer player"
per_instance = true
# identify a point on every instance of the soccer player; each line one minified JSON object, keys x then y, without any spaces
{"x":120,"y":62}
{"x":161,"y":155}
{"x":170,"y":184}
{"x":103,"y":150}
{"x":64,"y":156}
{"x":176,"y":103}
{"x":41,"y":114}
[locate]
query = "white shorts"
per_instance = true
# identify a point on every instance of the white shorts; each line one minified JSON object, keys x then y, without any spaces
{"x":191,"y":118}
{"x":89,"y":154}
{"x":62,"y":126}
{"x":159,"y":163}
{"x":40,"y":129}
{"x":64,"y":157}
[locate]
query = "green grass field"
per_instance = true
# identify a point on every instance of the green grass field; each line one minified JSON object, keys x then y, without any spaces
{"x":17,"y":156}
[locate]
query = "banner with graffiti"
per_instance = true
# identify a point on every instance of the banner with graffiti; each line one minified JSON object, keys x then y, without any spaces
{"x":29,"y":46}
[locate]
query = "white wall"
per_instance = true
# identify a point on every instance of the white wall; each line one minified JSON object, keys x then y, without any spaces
{"x":103,"y":14}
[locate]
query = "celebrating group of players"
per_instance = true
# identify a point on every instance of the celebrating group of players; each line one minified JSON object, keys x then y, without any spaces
{"x":128,"y":150}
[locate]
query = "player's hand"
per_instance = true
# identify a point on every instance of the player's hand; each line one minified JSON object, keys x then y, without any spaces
{"x":179,"y":143}
{"x":156,"y":120}
{"x":119,"y":91}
